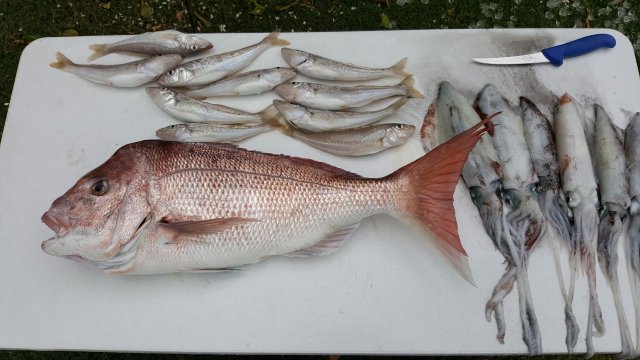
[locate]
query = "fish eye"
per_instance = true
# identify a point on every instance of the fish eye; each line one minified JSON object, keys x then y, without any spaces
{"x":171,"y":72}
{"x":399,"y":126}
{"x":100,"y":187}
{"x":194,"y":47}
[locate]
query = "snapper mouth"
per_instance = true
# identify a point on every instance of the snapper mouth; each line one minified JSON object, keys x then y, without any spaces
{"x":69,"y":244}
{"x":59,"y":224}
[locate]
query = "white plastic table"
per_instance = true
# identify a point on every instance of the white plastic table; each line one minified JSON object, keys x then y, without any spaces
{"x":387,"y":291}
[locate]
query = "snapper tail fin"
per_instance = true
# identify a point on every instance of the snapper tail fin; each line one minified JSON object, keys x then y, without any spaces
{"x":99,"y":50}
{"x":431,"y":181}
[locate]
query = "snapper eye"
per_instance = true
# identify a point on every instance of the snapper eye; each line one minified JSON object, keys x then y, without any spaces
{"x":100,"y":187}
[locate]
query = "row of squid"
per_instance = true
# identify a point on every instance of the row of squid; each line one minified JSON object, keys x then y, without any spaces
{"x":576,"y":183}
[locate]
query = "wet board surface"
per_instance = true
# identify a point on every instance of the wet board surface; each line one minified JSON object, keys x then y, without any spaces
{"x":388,"y":290}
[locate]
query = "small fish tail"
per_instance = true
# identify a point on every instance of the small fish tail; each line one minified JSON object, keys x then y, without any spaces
{"x":271,"y":116}
{"x":274,"y":40}
{"x":432,"y":180}
{"x":399,"y":103}
{"x":398,"y":68}
{"x":61,"y":61}
{"x":99,"y":50}
{"x":408,"y":83}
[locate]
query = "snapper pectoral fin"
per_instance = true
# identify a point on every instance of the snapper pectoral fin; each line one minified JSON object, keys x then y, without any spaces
{"x":190,"y":228}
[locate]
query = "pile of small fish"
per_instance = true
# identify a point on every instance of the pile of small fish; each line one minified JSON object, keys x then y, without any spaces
{"x":532,"y":180}
{"x":320,"y":115}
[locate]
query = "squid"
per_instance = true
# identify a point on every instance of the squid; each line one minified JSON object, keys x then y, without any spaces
{"x":525,"y":221}
{"x":632,"y":154}
{"x":614,"y":200}
{"x":542,"y":148}
{"x":482,"y":173}
{"x":579,"y":184}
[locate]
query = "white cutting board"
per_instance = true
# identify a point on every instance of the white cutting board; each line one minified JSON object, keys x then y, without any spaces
{"x":386,"y":291}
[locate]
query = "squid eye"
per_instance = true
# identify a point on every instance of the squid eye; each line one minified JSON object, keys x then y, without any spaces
{"x":511,"y":199}
{"x":100,"y":187}
{"x":536,"y":188}
{"x":476,"y":195}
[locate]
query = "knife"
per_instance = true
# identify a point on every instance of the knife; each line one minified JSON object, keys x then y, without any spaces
{"x":556,"y":54}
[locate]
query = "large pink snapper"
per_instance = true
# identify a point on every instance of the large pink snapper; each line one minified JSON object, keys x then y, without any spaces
{"x":160,"y":207}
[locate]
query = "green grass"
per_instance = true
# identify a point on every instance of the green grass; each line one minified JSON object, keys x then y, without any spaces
{"x":22,"y":21}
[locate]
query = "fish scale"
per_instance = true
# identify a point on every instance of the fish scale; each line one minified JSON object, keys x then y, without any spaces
{"x":189,"y":193}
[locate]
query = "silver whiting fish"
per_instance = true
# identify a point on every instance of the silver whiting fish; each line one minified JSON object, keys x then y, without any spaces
{"x":130,"y":74}
{"x":215,"y":67}
{"x":154,"y":43}
{"x":331,"y":97}
{"x":322,"y":68}
{"x":187,"y":109}
{"x":313,"y":120}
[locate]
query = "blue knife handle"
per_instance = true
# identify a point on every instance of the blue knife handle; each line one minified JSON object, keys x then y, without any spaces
{"x":578,"y":47}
